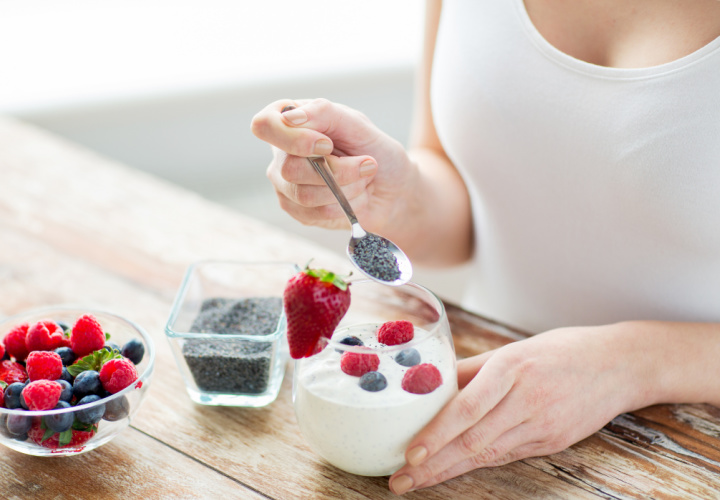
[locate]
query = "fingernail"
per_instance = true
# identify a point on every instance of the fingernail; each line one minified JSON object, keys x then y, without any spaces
{"x":322,"y":147}
{"x":416,"y":455}
{"x":295,"y":116}
{"x":401,"y":484}
{"x":367,"y":168}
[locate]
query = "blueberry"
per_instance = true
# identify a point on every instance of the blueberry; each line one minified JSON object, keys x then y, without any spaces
{"x":112,"y":346}
{"x":66,"y":355}
{"x":116,"y":409}
{"x":12,"y":395}
{"x":67,"y":390}
{"x":18,"y":424}
{"x":408,"y":357}
{"x":23,"y":404}
{"x":64,"y":326}
{"x":351,"y":340}
{"x":60,"y":422}
{"x":373,"y":381}
{"x":87,"y":383}
{"x":134,"y":350}
{"x":90,"y":415}
{"x":65,"y":375}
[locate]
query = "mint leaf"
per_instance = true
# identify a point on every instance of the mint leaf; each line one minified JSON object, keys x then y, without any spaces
{"x":93,"y":361}
{"x":3,"y":384}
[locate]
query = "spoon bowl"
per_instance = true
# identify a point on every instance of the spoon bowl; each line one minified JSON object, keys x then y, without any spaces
{"x":376,"y":257}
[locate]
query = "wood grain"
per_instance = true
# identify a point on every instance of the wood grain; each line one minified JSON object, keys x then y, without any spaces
{"x":77,"y":228}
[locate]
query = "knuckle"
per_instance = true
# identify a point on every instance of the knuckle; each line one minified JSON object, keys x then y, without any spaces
{"x":469,"y":408}
{"x":322,"y":104}
{"x":471,"y":442}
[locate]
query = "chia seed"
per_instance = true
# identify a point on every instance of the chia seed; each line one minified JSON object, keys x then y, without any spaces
{"x":233,"y":366}
{"x":373,"y":257}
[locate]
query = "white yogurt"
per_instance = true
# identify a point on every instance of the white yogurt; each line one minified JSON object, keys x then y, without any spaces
{"x":365,"y":432}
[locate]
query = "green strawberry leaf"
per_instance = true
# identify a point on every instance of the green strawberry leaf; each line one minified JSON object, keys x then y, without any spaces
{"x":48,"y":434}
{"x":328,"y":277}
{"x":3,"y":384}
{"x":93,"y":361}
{"x":107,"y":336}
{"x":79,"y":426}
{"x":65,"y":437}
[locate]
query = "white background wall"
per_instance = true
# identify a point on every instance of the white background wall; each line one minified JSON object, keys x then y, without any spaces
{"x":170,"y":86}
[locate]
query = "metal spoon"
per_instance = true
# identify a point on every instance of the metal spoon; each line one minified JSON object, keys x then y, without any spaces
{"x":377,"y":258}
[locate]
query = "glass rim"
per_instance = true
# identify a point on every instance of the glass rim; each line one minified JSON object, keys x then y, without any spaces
{"x":440,"y":307}
{"x":184,"y":286}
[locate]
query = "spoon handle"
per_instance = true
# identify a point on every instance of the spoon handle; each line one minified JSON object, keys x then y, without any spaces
{"x":321,"y":167}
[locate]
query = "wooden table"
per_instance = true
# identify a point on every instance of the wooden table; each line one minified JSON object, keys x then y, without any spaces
{"x":77,"y":228}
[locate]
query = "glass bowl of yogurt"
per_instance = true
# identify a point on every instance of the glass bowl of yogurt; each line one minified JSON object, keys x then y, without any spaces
{"x":388,"y":369}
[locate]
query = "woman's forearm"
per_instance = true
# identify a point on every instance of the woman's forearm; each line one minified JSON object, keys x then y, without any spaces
{"x":435,"y":224}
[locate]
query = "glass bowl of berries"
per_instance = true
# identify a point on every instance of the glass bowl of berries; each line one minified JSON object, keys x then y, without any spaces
{"x":71,"y":379}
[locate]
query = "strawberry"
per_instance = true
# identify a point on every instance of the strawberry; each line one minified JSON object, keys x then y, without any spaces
{"x":87,"y":335}
{"x":72,"y":438}
{"x":422,"y":379}
{"x":44,"y":335}
{"x":357,"y":364}
{"x":15,"y":342}
{"x":315,"y":300}
{"x":2,"y":351}
{"x":395,"y":332}
{"x":44,"y":365}
{"x":11,"y":372}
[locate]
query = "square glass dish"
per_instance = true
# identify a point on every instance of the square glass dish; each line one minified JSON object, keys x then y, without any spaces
{"x":227,"y":331}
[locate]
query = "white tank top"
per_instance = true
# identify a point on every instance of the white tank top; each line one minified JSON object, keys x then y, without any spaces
{"x":595,"y":190}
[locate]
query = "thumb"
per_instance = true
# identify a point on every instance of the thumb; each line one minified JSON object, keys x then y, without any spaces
{"x":469,"y":367}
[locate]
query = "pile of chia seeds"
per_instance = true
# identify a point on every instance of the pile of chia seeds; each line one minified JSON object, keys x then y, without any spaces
{"x":373,"y":256}
{"x":233,"y":366}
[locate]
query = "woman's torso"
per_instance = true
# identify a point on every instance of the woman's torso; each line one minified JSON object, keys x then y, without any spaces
{"x":596,"y":189}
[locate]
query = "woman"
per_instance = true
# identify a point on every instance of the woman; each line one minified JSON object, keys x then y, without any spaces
{"x":571,"y":150}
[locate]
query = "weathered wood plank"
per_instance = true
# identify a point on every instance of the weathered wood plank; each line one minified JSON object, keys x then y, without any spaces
{"x":133,"y":465}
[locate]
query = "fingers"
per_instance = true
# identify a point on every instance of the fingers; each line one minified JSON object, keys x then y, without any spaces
{"x":461,"y":413}
{"x":488,"y":440}
{"x":346,"y":170}
{"x":312,"y":128}
{"x":514,"y":454}
{"x":271,"y":126}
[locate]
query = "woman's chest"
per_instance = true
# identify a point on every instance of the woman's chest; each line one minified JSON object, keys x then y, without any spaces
{"x":626,"y":33}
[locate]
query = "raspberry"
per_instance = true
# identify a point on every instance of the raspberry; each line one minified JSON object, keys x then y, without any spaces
{"x":44,"y":365}
{"x":87,"y":335}
{"x":357,"y":364}
{"x":2,"y":397}
{"x":11,"y":372}
{"x":42,"y":394}
{"x":37,"y":433}
{"x":15,"y":342}
{"x":117,"y":374}
{"x":422,"y":379}
{"x":43,"y":336}
{"x":395,"y":332}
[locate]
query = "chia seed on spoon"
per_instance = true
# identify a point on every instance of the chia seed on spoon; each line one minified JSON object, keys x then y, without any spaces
{"x":372,"y":255}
